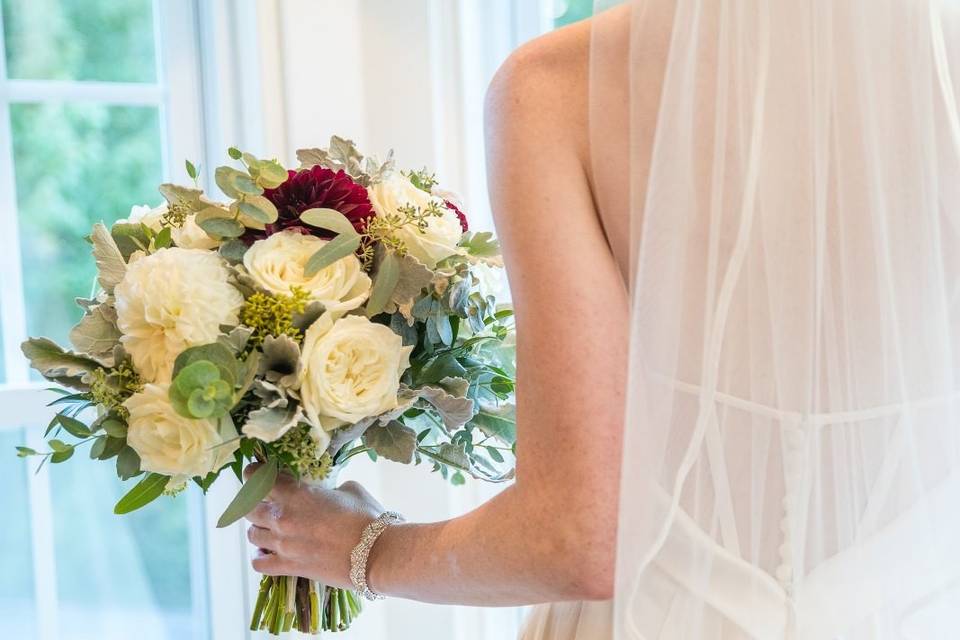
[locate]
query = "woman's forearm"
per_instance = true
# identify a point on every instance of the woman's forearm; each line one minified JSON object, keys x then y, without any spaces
{"x":510,"y":551}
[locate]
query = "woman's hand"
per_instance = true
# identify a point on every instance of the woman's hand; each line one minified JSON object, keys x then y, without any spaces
{"x":308,"y":531}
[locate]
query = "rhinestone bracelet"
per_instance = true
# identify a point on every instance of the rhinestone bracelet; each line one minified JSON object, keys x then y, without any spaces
{"x":360,"y":553}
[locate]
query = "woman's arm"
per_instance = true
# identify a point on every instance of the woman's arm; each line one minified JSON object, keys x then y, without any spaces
{"x":551,"y":536}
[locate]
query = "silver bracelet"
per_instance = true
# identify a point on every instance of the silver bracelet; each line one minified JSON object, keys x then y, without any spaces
{"x":360,"y":553}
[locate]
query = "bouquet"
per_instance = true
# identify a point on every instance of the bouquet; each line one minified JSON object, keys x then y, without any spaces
{"x":335,"y":310}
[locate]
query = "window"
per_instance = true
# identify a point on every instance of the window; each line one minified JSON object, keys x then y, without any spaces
{"x":89,"y":124}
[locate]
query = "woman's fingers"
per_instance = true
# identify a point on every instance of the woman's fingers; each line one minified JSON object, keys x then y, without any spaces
{"x":264,"y":515}
{"x":262,"y":538}
{"x":271,"y":564}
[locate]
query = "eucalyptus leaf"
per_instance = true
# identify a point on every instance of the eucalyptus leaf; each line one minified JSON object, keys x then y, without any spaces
{"x":233,"y":250}
{"x":73,"y":426}
{"x":129,"y":238}
{"x":145,"y":492}
{"x":128,"y":463}
{"x":329,"y":219}
{"x":341,"y":246}
{"x":251,"y":493}
{"x":96,"y":449}
{"x":384,"y":283}
{"x":258,"y":208}
{"x":62,"y":456}
{"x":223,"y":227}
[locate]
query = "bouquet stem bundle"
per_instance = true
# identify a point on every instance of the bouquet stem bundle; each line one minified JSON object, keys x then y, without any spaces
{"x":285,"y":603}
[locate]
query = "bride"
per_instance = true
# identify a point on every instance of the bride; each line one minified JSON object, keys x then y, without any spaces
{"x":732,"y":229}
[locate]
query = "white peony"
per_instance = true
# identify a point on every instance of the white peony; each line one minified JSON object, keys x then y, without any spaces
{"x":188,"y":236}
{"x":171,"y":444}
{"x":443,"y":233}
{"x":169,"y":301}
{"x":277,"y":264}
{"x":349,"y":370}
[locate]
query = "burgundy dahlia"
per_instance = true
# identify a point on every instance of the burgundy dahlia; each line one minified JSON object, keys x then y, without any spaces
{"x":460,"y":214}
{"x":315,"y":188}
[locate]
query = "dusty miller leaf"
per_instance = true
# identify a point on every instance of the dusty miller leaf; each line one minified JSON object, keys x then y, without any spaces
{"x":413,"y":278}
{"x":96,"y":335}
{"x":55,"y":364}
{"x":455,"y":411}
{"x":393,"y":441}
{"x":110,"y":264}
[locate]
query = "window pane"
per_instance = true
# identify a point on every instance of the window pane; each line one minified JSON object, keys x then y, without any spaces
{"x":17,"y":611}
{"x":75,"y":165}
{"x":117,"y":573}
{"x":107,"y":40}
{"x":569,"y":11}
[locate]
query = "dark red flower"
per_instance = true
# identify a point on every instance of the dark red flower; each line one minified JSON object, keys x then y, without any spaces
{"x":460,"y":214}
{"x":315,"y":188}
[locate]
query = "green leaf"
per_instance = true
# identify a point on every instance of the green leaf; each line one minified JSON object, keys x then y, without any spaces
{"x":341,"y":246}
{"x":59,"y":445}
{"x":394,"y":441}
{"x":385,"y":282}
{"x":111,"y":266}
{"x":128,"y":463}
{"x":259,"y":208}
{"x":23,"y":452}
{"x":97,"y":448}
{"x":457,"y":479}
{"x":271,"y":174}
{"x":191,"y":170}
{"x":215,"y":352}
{"x":234,"y":153}
{"x":251,"y":493}
{"x":62,"y":456}
{"x":233,"y":250}
{"x":112,"y":447}
{"x":129,"y":238}
{"x":114,"y":427}
{"x":196,"y":375}
{"x":234,"y":183}
{"x":73,"y":426}
{"x":495,"y":454}
{"x":329,"y":219}
{"x":223,"y":227}
{"x":164,"y":239}
{"x":199,"y":405}
{"x":145,"y":492}
{"x":498,"y":422}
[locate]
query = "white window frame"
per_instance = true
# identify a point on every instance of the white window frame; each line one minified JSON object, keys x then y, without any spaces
{"x":217,"y":557}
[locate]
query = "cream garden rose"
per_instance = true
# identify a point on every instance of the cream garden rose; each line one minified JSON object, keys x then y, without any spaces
{"x":169,"y":301}
{"x":171,"y":444}
{"x":277,"y":263}
{"x":443,"y":233}
{"x":188,"y":236}
{"x":350,"y":369}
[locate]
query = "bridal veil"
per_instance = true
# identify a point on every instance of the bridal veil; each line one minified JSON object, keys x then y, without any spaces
{"x":792,"y":457}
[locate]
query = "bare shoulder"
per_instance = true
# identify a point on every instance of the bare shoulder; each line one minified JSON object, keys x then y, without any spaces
{"x":541,"y":88}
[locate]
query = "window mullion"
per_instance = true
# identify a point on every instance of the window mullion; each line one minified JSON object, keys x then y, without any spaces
{"x":14,"y":324}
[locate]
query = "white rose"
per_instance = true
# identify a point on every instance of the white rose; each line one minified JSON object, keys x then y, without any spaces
{"x":349,"y":370}
{"x":277,"y":264}
{"x":145,"y":214}
{"x":189,"y":236}
{"x":172,"y":300}
{"x":443,"y":233}
{"x":171,"y":444}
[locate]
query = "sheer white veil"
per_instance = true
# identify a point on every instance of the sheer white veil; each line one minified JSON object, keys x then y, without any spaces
{"x":791,"y":464}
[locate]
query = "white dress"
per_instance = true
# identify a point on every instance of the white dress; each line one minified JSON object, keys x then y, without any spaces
{"x":792,"y":445}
